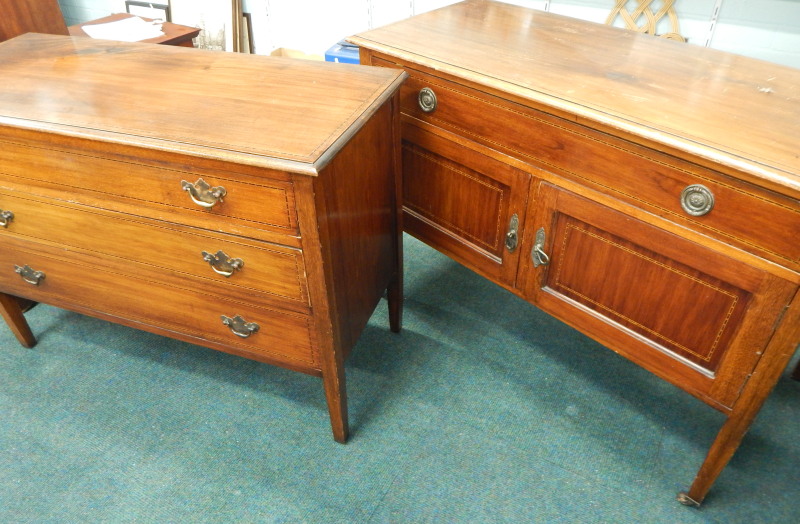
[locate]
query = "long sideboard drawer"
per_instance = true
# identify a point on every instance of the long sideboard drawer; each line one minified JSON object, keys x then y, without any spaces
{"x":63,"y":281}
{"x":756,"y":220}
{"x":154,"y":190}
{"x":262,"y":268}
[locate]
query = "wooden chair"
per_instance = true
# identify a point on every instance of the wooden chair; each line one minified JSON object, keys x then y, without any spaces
{"x":30,"y":16}
{"x":644,"y":19}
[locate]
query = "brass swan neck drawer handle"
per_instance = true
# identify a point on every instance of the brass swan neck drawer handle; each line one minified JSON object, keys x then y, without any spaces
{"x":203,"y":194}
{"x":239,"y":326}
{"x":222,"y":264}
{"x":30,"y":275}
{"x":540,"y":258}
{"x":5,"y":218}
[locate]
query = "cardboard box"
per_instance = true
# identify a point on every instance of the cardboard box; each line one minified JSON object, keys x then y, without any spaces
{"x":294,"y":53}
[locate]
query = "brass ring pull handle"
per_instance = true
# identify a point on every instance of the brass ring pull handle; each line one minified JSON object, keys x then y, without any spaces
{"x":540,"y":258}
{"x":222,"y":264}
{"x":239,"y":326}
{"x":203,"y":194}
{"x":427,"y":100}
{"x":697,"y":200}
{"x":29,"y":275}
{"x":5,"y":218}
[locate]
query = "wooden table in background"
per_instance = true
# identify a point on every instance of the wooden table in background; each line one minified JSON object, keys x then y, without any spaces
{"x":174,"y":34}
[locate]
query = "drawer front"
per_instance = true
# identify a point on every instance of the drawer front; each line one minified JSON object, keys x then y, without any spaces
{"x":157,"y":191}
{"x":263,"y":268}
{"x":70,"y":281}
{"x":742,"y":215}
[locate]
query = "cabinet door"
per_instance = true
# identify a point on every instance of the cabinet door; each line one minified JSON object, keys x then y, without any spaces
{"x":693,"y":316}
{"x":463,"y":203}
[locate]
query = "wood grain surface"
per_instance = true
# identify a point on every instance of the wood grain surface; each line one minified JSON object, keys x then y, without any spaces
{"x":728,"y":109}
{"x":144,"y":94}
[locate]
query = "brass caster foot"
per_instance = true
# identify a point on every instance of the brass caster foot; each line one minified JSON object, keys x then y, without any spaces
{"x":686,"y":500}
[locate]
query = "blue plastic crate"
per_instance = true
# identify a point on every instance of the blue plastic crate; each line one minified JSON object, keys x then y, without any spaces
{"x":342,"y":52}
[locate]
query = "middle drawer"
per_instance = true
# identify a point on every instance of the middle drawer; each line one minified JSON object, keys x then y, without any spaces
{"x":260,"y":267}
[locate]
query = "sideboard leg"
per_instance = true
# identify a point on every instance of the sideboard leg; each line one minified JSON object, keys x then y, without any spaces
{"x":12,"y":313}
{"x":686,"y":500}
{"x":395,"y":288}
{"x":394,"y":291}
{"x":396,"y":309}
{"x":760,"y":384}
{"x":723,"y":448}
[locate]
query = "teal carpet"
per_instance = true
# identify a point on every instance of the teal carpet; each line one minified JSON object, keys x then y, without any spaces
{"x":482,"y":410}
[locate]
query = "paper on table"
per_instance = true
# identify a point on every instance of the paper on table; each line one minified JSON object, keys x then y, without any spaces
{"x":131,"y":29}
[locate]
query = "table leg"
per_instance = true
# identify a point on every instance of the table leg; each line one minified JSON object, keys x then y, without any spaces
{"x":11,"y":311}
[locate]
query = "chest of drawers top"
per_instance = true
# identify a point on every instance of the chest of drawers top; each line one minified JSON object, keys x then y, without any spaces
{"x":261,"y":111}
{"x":739,"y":114}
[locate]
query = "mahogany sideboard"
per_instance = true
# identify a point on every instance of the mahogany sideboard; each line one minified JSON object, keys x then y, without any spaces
{"x":244,"y":203}
{"x":644,"y":191}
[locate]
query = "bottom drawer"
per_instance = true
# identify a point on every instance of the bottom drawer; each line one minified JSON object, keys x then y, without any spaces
{"x":64,"y":281}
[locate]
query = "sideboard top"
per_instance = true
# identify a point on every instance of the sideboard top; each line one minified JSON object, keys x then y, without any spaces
{"x":731,"y":110}
{"x":264,"y":111}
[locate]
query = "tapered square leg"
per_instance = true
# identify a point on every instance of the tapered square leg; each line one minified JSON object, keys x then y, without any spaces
{"x":11,"y":310}
{"x":336,"y":394}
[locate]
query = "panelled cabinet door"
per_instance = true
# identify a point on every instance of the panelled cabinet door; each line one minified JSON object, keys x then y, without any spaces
{"x":680,"y":309}
{"x":468,"y":205}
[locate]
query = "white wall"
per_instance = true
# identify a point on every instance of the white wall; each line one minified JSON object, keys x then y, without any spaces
{"x":313,"y":26}
{"x":212,"y":16}
{"x":766,"y":29}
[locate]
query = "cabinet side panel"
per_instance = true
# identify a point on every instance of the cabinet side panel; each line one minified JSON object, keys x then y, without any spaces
{"x":359,"y":230}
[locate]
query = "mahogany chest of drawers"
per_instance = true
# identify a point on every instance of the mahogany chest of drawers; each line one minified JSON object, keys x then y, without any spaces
{"x":644,"y":191}
{"x":247,"y":204}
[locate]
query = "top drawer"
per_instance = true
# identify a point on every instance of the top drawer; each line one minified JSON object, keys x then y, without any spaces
{"x":743,"y":215}
{"x":260,"y":207}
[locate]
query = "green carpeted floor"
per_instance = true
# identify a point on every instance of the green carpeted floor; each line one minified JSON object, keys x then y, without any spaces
{"x":482,"y":410}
